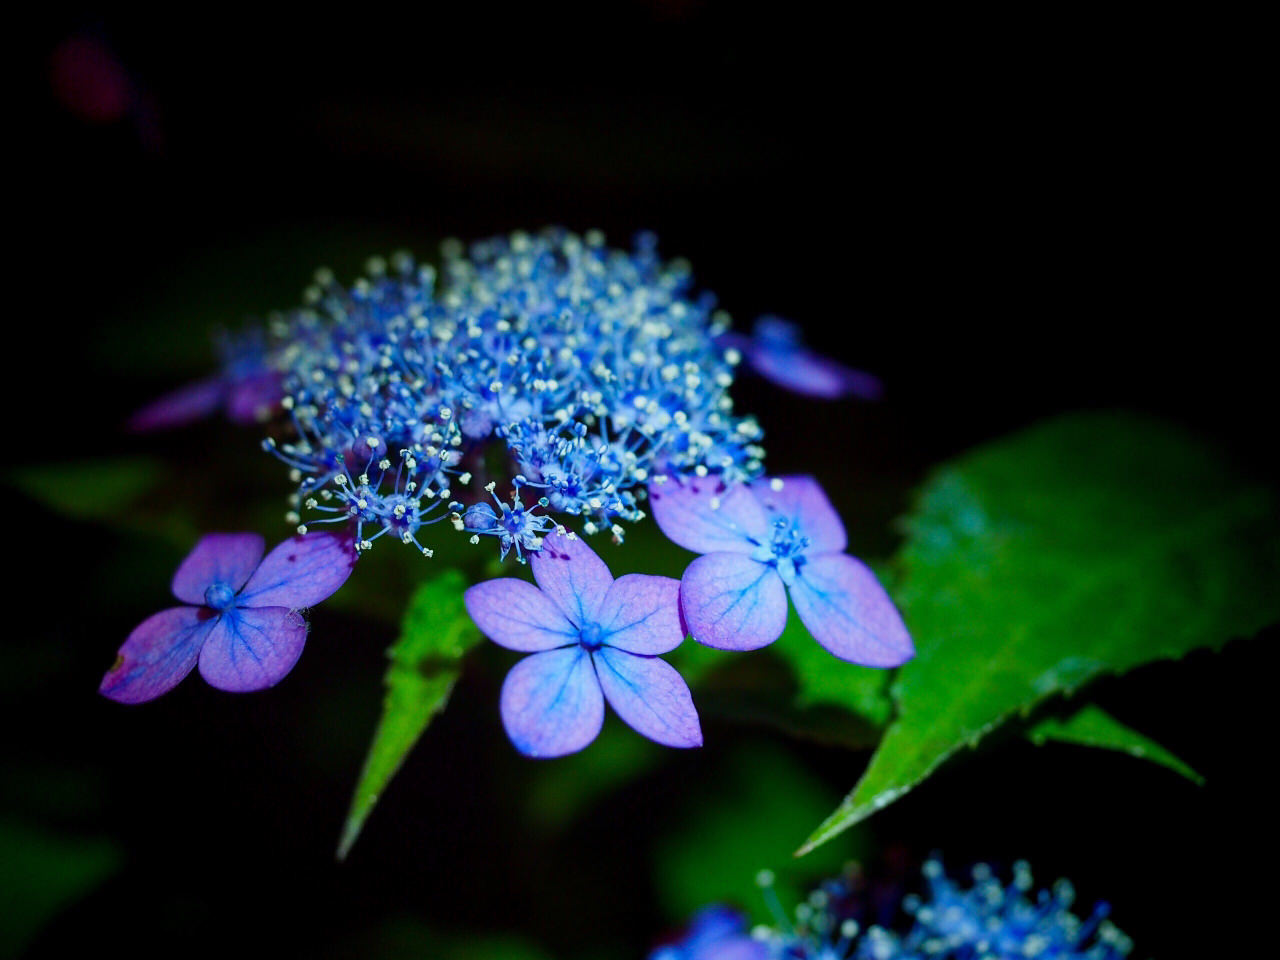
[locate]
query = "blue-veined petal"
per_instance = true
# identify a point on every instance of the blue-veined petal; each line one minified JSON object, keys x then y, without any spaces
{"x":570,"y":573}
{"x":848,"y":612}
{"x":517,"y":615}
{"x":702,"y":516}
{"x":641,"y":614}
{"x":300,"y":572}
{"x":650,"y":696}
{"x":733,"y":602}
{"x":225,"y":558}
{"x":157,"y":655}
{"x":551,"y":703}
{"x":252,"y":649}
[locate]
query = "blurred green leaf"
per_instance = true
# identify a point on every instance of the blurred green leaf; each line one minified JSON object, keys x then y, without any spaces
{"x":1086,"y":545}
{"x":88,"y":489}
{"x":41,"y":873}
{"x":743,"y":818}
{"x":1091,"y":726}
{"x":425,"y":664}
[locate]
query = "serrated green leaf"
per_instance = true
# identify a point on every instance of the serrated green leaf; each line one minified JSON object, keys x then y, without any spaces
{"x":1091,"y":726}
{"x":425,"y":664}
{"x":1084,"y":546}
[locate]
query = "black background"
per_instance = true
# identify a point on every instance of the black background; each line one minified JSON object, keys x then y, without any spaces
{"x":1004,"y":219}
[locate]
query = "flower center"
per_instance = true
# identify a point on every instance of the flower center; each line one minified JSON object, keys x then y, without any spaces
{"x":591,"y":637}
{"x":218,"y":596}
{"x":785,"y":552}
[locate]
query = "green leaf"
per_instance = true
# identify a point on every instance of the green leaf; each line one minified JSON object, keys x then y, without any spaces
{"x":43,"y":874}
{"x":425,"y":664}
{"x":1091,"y":726}
{"x":88,"y":489}
{"x":1083,"y":546}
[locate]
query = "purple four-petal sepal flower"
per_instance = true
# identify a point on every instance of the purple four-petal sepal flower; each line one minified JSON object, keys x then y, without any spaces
{"x":592,"y":639}
{"x":758,"y":542}
{"x":241,"y":624}
{"x":775,"y":351}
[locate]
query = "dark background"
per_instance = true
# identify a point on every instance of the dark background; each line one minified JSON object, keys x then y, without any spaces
{"x":1002,"y":219}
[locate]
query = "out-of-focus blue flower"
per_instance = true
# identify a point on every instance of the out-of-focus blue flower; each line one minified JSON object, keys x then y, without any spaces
{"x":247,"y":387}
{"x":760,"y":540}
{"x":775,"y":351}
{"x":592,"y":638}
{"x":986,"y":920}
{"x":241,"y":623}
{"x":715,"y":933}
{"x":593,"y":370}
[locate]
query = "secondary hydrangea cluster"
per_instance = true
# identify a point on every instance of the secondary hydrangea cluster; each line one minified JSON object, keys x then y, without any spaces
{"x":986,"y":920}
{"x":591,"y":371}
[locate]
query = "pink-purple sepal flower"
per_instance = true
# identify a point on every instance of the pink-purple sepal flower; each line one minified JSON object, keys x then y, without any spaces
{"x":775,"y":351}
{"x":591,"y":638}
{"x":241,"y":624}
{"x":760,"y":540}
{"x":247,"y":399}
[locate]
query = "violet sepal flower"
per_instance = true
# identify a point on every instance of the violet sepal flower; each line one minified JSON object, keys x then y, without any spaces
{"x":591,"y":638}
{"x":242,"y":626}
{"x":248,"y":387}
{"x":775,"y":351}
{"x":760,"y":540}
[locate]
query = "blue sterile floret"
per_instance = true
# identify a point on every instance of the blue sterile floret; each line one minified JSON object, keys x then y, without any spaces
{"x":597,"y":371}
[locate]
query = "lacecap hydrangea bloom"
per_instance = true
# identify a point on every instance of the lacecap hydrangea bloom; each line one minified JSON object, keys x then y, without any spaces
{"x":534,"y":381}
{"x":593,"y":370}
{"x":985,"y":920}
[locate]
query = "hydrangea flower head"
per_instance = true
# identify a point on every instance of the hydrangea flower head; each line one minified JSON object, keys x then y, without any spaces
{"x":241,"y":620}
{"x":587,"y":370}
{"x":760,"y":540}
{"x":775,"y":351}
{"x":591,"y":638}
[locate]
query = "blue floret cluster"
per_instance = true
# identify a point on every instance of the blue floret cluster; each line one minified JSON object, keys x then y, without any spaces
{"x":591,"y":371}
